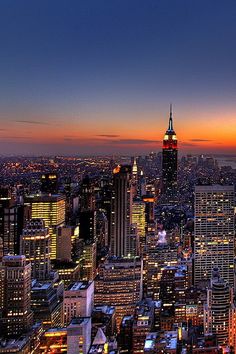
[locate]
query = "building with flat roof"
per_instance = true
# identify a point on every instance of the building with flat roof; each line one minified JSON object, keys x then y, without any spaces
{"x":78,"y":300}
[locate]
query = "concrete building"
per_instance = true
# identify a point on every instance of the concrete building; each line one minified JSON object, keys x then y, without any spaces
{"x":78,"y":301}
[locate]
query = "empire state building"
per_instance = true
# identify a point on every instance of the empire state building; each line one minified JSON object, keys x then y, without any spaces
{"x":169,"y":160}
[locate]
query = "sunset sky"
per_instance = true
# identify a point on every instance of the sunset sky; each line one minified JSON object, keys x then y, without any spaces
{"x":96,"y":77}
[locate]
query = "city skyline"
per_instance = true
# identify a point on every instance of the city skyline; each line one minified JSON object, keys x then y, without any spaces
{"x":99,"y":78}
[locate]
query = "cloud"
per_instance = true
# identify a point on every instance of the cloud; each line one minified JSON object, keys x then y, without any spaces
{"x":187,"y":144}
{"x":31,"y":122}
{"x":108,"y":135}
{"x":199,"y":140}
{"x":15,"y":137}
{"x":134,"y":141}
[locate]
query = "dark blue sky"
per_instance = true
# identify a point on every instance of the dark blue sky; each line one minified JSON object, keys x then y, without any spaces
{"x":96,"y":62}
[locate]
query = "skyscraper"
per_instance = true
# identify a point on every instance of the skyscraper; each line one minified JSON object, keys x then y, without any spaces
{"x":12,"y":220}
{"x":17,"y":316}
{"x":121,"y":210}
{"x":119,"y":283}
{"x":36,"y":246}
{"x":169,"y":159}
{"x":219,"y":309}
{"x":50,"y":208}
{"x":49,"y":183}
{"x":214,"y":232}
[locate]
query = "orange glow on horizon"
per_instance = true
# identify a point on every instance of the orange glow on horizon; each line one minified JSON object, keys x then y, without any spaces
{"x":127,"y":131}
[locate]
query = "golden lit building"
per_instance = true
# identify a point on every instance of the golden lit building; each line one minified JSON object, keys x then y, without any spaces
{"x":87,"y":261}
{"x":138,"y":218}
{"x":50,"y":208}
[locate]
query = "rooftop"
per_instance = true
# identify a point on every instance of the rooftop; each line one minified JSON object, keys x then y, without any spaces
{"x":81,"y":285}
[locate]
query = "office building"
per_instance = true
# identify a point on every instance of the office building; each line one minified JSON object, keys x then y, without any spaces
{"x":87,"y":225}
{"x":138,"y":218}
{"x":79,"y":335}
{"x":17,"y":316}
{"x":214,"y":232}
{"x":74,"y":339}
{"x":49,"y":183}
{"x":36,"y":246}
{"x":12,"y":221}
{"x":143,"y":324}
{"x":87,"y":261}
{"x":78,"y":301}
{"x":46,"y":303}
{"x":119,"y":284}
{"x":50,"y":208}
{"x":219,"y":310}
{"x":121,"y":210}
{"x":87,"y":195}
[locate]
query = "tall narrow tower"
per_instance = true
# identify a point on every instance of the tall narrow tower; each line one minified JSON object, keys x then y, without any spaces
{"x":121,"y":210}
{"x":169,"y":159}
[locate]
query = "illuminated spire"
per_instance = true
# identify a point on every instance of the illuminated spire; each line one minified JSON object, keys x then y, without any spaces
{"x":170,"y":119}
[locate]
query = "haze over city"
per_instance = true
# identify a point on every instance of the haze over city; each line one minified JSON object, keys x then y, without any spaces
{"x":97,"y":77}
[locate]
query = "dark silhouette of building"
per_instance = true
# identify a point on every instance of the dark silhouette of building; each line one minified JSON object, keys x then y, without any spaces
{"x":49,"y":183}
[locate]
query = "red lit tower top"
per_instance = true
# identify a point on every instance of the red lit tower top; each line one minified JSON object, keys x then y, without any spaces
{"x":170,"y":139}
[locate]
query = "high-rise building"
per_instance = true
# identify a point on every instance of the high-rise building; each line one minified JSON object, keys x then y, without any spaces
{"x":87,"y":196}
{"x":1,"y":249}
{"x":12,"y":221}
{"x":50,"y":208}
{"x":78,"y":300}
{"x":17,"y":316}
{"x":138,"y":218}
{"x":219,"y":309}
{"x":214,"y":232}
{"x":87,"y":261}
{"x":49,"y":183}
{"x":36,"y":246}
{"x":65,"y":235}
{"x":143,"y":324}
{"x":87,"y":225}
{"x":169,"y":160}
{"x":121,"y":210}
{"x":46,"y":303}
{"x":119,"y":284}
